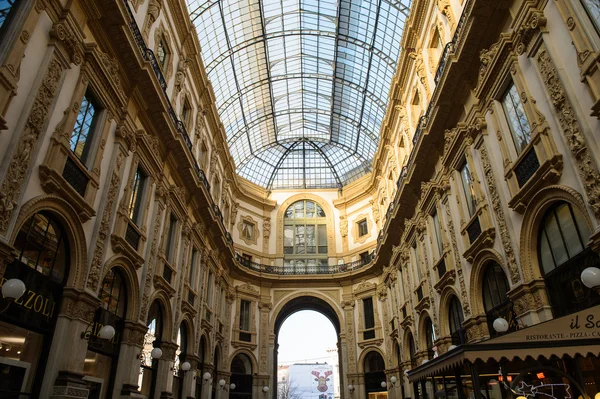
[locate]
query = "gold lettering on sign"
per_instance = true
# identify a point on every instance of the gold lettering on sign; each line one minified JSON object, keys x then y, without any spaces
{"x":36,"y":302}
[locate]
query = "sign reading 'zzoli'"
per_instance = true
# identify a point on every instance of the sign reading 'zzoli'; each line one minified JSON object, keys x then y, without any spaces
{"x":38,"y":306}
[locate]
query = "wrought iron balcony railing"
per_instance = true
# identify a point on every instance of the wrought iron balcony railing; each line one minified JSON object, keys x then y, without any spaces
{"x":317,"y":269}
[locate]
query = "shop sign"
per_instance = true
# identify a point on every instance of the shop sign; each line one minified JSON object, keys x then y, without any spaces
{"x":38,"y":306}
{"x":584,"y":324}
{"x":102,"y":318}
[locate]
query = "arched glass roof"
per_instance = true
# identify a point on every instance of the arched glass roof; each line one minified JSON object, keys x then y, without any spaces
{"x":301,"y":85}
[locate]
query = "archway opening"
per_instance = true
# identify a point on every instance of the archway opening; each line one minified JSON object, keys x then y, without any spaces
{"x":307,"y":359}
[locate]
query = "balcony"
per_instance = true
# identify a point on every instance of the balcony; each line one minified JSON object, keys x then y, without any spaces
{"x":307,"y":270}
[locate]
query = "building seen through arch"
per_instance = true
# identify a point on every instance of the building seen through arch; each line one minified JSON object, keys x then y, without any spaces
{"x":178,"y":177}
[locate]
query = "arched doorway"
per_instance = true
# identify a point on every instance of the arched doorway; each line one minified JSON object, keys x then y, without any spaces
{"x":43,"y":262}
{"x":241,"y":376}
{"x":316,"y":304}
{"x":374,"y":369}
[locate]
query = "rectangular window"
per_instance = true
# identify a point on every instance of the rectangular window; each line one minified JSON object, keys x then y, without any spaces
{"x":161,"y":52}
{"x":362,"y":228}
{"x":7,"y":9}
{"x":81,"y":137}
{"x":369,"y":318}
{"x":245,"y":315}
{"x":247,"y":258}
{"x":247,"y":230}
{"x":592,"y":7}
{"x":438,"y":233}
{"x":223,"y":306}
{"x":192,"y":274}
{"x":364,"y":257}
{"x":517,"y":120}
{"x":186,"y":114}
{"x":137,"y":192}
{"x":209,"y":290}
{"x":468,"y":188}
{"x":417,"y":263}
{"x":322,"y":235}
{"x":170,"y":249}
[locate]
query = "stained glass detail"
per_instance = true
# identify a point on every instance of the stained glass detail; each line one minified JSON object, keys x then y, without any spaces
{"x":301,"y":86}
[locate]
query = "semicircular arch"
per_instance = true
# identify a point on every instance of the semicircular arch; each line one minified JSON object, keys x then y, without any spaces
{"x":328,"y":215}
{"x":128,"y":272}
{"x":66,"y":216}
{"x":306,"y":300}
{"x":532,"y":219}
{"x":480,"y":265}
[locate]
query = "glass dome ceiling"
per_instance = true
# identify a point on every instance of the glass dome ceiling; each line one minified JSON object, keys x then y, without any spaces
{"x":301,"y":86}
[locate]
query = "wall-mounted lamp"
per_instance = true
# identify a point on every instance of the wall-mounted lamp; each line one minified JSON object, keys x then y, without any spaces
{"x":383,"y":384}
{"x":265,"y":389}
{"x":156,"y":353}
{"x":206,"y":378}
{"x":231,"y":386}
{"x":500,"y":325}
{"x":12,"y":290}
{"x":107,"y":332}
{"x":590,"y":277}
{"x":185,"y":366}
{"x":393,"y":381}
{"x":351,"y":388}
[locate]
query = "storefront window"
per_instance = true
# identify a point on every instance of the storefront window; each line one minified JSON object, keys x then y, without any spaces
{"x":102,"y":355}
{"x":495,"y":296}
{"x":20,"y":353}
{"x":27,"y":324}
{"x":456,"y":318}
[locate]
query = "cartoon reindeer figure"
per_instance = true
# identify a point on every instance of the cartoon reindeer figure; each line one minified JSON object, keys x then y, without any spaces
{"x":322,"y":380}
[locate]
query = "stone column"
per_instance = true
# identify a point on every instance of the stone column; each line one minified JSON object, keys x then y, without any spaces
{"x":408,"y":387}
{"x":64,"y":371}
{"x":189,"y":378}
{"x":222,"y":392}
{"x":128,"y":367}
{"x":164,"y":372}
{"x":394,"y":390}
{"x":207,"y":385}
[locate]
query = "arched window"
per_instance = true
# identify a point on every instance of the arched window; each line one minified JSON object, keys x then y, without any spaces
{"x":180,"y":353}
{"x":456,"y":318}
{"x":113,"y":294}
{"x":563,"y":235}
{"x":412,"y":350}
{"x":147,"y":379}
{"x":241,"y":376}
{"x":430,"y":338}
{"x":495,"y":296}
{"x":563,"y":255}
{"x":42,"y":246}
{"x":182,"y":336}
{"x":374,"y":367}
{"x":305,"y":237}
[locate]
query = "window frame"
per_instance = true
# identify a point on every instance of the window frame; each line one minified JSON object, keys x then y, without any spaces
{"x":89,"y":151}
{"x":468,"y":188}
{"x":320,"y":223}
{"x":517,"y":106}
{"x":137,"y":199}
{"x":363,"y":227}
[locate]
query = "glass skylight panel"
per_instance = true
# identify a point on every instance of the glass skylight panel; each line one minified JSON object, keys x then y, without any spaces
{"x":301,"y":90}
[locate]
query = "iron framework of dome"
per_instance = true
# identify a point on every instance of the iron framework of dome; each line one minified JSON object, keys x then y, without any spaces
{"x":301,"y":86}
